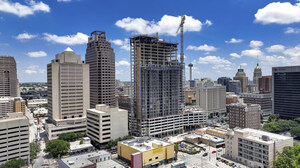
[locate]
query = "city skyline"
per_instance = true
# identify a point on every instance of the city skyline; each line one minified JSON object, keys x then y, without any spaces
{"x":216,"y":42}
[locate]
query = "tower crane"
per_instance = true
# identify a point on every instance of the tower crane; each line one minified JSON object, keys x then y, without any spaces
{"x":182,"y":58}
{"x":181,"y":38}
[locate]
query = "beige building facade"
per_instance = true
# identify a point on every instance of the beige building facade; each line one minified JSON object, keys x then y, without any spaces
{"x":105,"y":123}
{"x":14,"y":137}
{"x":255,"y":148}
{"x":211,"y":97}
{"x":68,"y":93}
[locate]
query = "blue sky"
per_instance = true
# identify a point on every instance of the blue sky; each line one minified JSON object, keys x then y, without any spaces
{"x":220,"y":35}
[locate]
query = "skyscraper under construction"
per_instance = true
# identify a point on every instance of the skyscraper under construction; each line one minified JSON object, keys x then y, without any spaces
{"x":101,"y":58}
{"x":156,"y":77}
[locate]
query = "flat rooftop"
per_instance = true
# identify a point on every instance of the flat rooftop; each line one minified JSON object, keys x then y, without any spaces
{"x":253,"y":134}
{"x":82,"y":160}
{"x":144,"y":144}
{"x":212,"y":138}
{"x":109,"y":164}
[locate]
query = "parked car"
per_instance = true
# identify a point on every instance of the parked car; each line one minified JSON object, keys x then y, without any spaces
{"x":205,"y":154}
{"x":213,"y":151}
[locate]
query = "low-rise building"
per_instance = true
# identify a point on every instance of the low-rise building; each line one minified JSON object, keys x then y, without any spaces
{"x":96,"y":159}
{"x":218,"y":132}
{"x":11,"y":104}
{"x":145,"y":152}
{"x":106,"y":123}
{"x":211,"y":140}
{"x":255,"y":148}
{"x":20,"y":105}
{"x":14,"y":137}
{"x":6,"y":106}
{"x":77,"y":125}
{"x":244,"y":115}
{"x":190,"y":96}
{"x":36,"y":102}
{"x":264,"y":100}
{"x":231,"y":97}
{"x":78,"y":147}
{"x":191,"y":118}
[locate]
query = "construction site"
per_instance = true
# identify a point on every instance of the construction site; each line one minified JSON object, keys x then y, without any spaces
{"x":156,"y":76}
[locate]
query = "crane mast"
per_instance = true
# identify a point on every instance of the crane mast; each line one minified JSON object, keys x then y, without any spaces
{"x":181,"y":38}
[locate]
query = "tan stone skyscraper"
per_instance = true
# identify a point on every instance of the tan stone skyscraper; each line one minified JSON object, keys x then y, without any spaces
{"x":256,"y":74}
{"x":68,"y":94}
{"x":8,"y":76}
{"x":68,"y":86}
{"x":101,"y":58}
{"x":241,"y":76}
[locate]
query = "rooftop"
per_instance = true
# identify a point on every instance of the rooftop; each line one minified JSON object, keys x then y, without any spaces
{"x":109,"y":164}
{"x":83,"y":159}
{"x":253,"y":134}
{"x":102,"y":108}
{"x":144,"y":144}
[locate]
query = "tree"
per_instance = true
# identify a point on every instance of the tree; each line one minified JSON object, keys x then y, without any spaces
{"x":273,"y":118}
{"x":271,"y":127}
{"x":297,"y":120}
{"x":296,"y":162}
{"x":71,"y":136}
{"x":81,"y":142}
{"x":295,"y":132}
{"x":289,"y":157}
{"x":14,"y":163}
{"x":176,"y":148}
{"x":57,"y":147}
{"x":34,"y":150}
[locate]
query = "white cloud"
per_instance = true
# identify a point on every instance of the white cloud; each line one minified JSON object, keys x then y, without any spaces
{"x":293,"y":52}
{"x":168,"y":25}
{"x":204,"y":47}
{"x":256,"y":44}
{"x":123,"y":43}
{"x":291,"y":30}
{"x":37,"y":54}
{"x":216,"y":61}
{"x":25,"y":36}
{"x":34,"y":69}
{"x":252,"y":53}
{"x":243,"y":64}
{"x":78,"y":38}
{"x":123,"y":63}
{"x":64,"y":0}
{"x":276,"y":48}
{"x":23,"y":10}
{"x":280,"y":13}
{"x":235,"y":55}
{"x":233,"y":40}
{"x":208,"y":23}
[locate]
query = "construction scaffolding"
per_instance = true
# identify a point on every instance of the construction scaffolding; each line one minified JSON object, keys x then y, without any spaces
{"x":156,"y":77}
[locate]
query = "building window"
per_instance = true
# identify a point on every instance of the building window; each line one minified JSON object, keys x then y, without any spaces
{"x":156,"y":157}
{"x":150,"y":160}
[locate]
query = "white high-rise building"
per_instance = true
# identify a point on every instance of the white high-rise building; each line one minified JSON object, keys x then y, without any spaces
{"x":211,"y":97}
{"x":68,"y":94}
